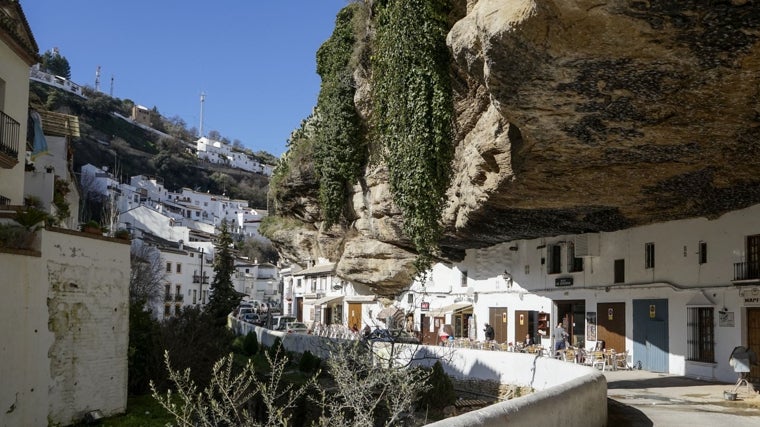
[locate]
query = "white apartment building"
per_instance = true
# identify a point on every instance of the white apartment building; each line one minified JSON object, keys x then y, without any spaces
{"x":188,"y":273}
{"x":219,"y":152}
{"x":259,"y":281}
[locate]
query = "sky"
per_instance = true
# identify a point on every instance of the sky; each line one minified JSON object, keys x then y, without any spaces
{"x":255,"y":60}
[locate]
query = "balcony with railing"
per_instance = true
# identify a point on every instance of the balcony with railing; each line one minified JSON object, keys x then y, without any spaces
{"x":9,"y":141}
{"x":746,"y":272}
{"x":179,"y":297}
{"x":197,"y":279}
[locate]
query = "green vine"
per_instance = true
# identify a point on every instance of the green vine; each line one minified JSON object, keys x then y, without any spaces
{"x":338,"y":151}
{"x":413,"y":113}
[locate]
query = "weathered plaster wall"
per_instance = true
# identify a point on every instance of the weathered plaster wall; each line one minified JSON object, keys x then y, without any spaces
{"x":64,"y":330}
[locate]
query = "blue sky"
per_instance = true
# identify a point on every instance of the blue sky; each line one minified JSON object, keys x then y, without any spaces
{"x":254,"y":59}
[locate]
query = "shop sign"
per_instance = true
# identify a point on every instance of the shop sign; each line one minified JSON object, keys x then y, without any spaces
{"x":424,"y":306}
{"x":752,"y":300}
{"x":652,"y":311}
{"x":563,"y":281}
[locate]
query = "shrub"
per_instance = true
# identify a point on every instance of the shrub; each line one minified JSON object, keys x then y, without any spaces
{"x":250,"y":344}
{"x":309,"y":362}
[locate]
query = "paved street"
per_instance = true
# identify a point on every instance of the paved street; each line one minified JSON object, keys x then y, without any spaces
{"x":640,"y":398}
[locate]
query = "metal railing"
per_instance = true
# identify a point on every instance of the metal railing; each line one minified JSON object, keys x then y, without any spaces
{"x":197,"y":278}
{"x":9,"y":135}
{"x":746,"y":271}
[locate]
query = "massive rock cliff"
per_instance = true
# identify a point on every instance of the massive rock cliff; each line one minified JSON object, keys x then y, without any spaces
{"x":571,"y":117}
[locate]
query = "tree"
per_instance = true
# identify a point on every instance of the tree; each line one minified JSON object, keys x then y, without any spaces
{"x":146,"y":277}
{"x":54,"y":63}
{"x":223,"y":298}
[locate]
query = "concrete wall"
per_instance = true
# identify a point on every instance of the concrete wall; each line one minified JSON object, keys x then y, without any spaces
{"x":64,"y":334}
{"x":565,"y":394}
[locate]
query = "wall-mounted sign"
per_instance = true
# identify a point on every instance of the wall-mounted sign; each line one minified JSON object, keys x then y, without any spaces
{"x":652,"y":311}
{"x":610,"y":314}
{"x":563,"y":281}
{"x":503,"y":317}
{"x":752,"y":300}
{"x":726,"y":318}
{"x":522,"y":319}
{"x":424,"y":306}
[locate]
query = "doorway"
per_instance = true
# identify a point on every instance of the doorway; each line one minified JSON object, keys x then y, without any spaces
{"x":611,"y":325}
{"x":430,"y":337}
{"x":572,"y":314}
{"x":355,"y":315}
{"x":497,"y":317}
{"x":753,"y":340}
{"x":650,"y":334}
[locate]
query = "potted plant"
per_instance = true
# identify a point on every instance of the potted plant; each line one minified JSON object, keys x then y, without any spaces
{"x":92,"y":227}
{"x":122,"y":233}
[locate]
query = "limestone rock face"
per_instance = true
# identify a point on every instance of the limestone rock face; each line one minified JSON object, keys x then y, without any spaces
{"x":574,"y":116}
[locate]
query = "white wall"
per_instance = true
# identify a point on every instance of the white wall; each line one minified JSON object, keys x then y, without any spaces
{"x":64,"y":325}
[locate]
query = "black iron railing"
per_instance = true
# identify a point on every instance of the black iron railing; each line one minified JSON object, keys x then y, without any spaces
{"x":746,"y":271}
{"x":9,"y":135}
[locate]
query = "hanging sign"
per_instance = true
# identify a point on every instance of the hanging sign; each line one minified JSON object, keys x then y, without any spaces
{"x":652,"y":312}
{"x":424,"y":306}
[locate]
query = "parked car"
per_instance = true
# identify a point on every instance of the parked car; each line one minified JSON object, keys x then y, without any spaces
{"x":278,"y":322}
{"x":243,"y":311}
{"x":253,"y":318}
{"x":296,"y":328}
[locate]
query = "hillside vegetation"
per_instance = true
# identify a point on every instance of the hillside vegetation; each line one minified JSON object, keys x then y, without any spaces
{"x":107,"y":140}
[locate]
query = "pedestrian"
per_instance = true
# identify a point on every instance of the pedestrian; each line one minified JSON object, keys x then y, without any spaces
{"x":489,"y":332}
{"x":528,"y":341}
{"x":559,"y":337}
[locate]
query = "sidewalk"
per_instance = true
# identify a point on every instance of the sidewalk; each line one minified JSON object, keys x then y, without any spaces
{"x":641,"y":398}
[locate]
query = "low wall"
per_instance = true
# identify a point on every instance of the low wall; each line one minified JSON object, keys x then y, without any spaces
{"x":565,"y":394}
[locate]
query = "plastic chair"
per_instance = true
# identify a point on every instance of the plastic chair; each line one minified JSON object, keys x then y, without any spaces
{"x":599,"y":359}
{"x":621,"y":361}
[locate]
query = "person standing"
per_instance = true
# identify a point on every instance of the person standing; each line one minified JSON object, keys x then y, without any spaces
{"x":559,"y":337}
{"x":489,"y":332}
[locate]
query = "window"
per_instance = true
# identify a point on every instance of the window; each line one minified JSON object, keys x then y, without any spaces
{"x":410,"y":298}
{"x":168,"y":267}
{"x":179,"y":268}
{"x":574,"y":264}
{"x":195,"y":296}
{"x":619,"y":271}
{"x":168,"y":292}
{"x":702,"y":252}
{"x":701,"y":338}
{"x":167,"y":310}
{"x":649,"y":255}
{"x":298,"y":283}
{"x":464,"y":278}
{"x":554,"y":252}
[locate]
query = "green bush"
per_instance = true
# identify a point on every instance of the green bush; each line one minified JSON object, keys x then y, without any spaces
{"x":251,"y":344}
{"x":309,"y":362}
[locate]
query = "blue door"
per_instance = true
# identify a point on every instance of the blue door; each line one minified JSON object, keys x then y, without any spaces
{"x":650,"y":334}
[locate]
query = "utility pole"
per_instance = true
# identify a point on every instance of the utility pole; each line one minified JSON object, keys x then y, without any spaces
{"x":203,"y":99}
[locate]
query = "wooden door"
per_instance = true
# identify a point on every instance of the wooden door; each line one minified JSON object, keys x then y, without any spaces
{"x":355,"y":315}
{"x":299,"y":311}
{"x":497,"y":317}
{"x":522,"y":325}
{"x":753,"y":339}
{"x":611,"y":325}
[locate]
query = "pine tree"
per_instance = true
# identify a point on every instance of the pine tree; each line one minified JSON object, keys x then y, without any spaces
{"x":223,"y":298}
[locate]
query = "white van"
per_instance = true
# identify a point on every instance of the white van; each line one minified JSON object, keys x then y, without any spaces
{"x":278,"y":322}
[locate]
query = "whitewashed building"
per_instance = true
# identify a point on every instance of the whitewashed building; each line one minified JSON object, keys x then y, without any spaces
{"x":64,"y":314}
{"x":259,"y":281}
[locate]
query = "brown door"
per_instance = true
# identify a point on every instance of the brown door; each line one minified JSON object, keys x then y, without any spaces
{"x":299,"y":311}
{"x":611,"y":325}
{"x":497,"y":317}
{"x":753,"y":339}
{"x":355,"y":315}
{"x":522,"y":325}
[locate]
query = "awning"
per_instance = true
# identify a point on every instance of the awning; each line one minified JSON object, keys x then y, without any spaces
{"x":362,"y":299}
{"x":326,"y":300}
{"x":700,"y":299}
{"x":453,"y":308}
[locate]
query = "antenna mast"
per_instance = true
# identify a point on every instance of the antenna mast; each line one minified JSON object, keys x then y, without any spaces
{"x":203,"y":99}
{"x":111,"y":94}
{"x":97,"y":79}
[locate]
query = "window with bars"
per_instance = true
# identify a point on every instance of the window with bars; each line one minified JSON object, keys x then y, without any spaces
{"x":574,"y":264}
{"x":464,"y":278}
{"x":649,"y":255}
{"x":701,"y":334}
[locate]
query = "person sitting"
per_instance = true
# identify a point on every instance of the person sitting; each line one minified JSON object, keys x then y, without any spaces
{"x":528,"y":341}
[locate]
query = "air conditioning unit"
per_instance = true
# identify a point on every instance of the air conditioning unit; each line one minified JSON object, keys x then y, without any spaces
{"x":586,"y":245}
